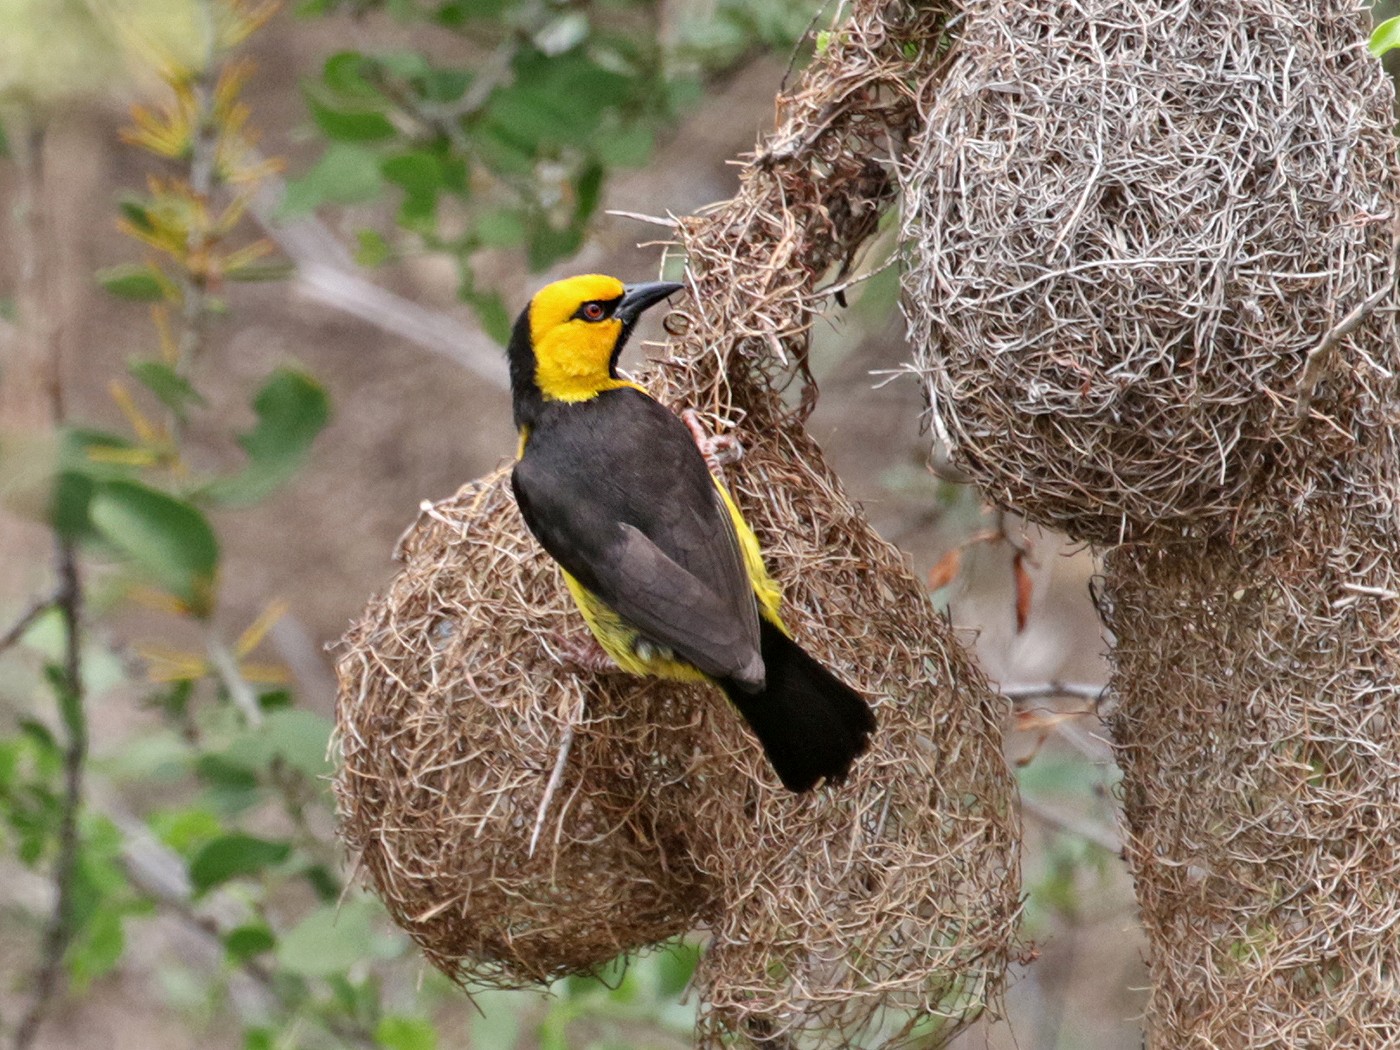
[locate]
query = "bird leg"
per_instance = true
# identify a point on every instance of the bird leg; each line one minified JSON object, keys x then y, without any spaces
{"x":719,"y":450}
{"x":583,"y":653}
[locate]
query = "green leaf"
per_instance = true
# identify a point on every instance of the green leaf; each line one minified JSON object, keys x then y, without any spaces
{"x":135,"y":210}
{"x":232,"y":856}
{"x":343,"y":73}
{"x":588,"y":190}
{"x":259,"y":1039}
{"x":292,"y":409}
{"x":278,"y":270}
{"x":134,"y":281}
{"x":419,"y":174}
{"x":294,"y":735}
{"x":676,"y":967}
{"x":324,"y":943}
{"x":347,"y":173}
{"x":185,"y":830}
{"x":323,"y":882}
{"x":150,"y":757}
{"x":171,"y":388}
{"x":371,"y":248}
{"x":349,"y":125}
{"x":97,"y":946}
{"x":491,"y":311}
{"x":1385,"y":37}
{"x":396,"y":1032}
{"x":443,"y":86}
{"x":165,"y":538}
{"x":244,"y":942}
{"x":628,"y":147}
{"x":547,"y":244}
{"x":500,"y":228}
{"x":69,"y":503}
{"x":406,"y":65}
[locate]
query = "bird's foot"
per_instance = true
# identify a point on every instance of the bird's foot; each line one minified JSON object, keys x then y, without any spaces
{"x":583,"y":653}
{"x":719,"y":450}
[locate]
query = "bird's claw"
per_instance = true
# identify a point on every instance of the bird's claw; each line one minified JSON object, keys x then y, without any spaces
{"x":719,"y":450}
{"x":583,"y":654}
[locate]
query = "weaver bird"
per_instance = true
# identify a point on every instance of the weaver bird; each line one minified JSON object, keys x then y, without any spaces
{"x":664,"y":569}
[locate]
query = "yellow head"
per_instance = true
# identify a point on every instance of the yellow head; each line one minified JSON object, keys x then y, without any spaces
{"x":566,"y":343}
{"x":575,"y":332}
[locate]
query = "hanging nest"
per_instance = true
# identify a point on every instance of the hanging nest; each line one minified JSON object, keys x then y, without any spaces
{"x":881,"y":912}
{"x":1153,"y":294}
{"x":1130,"y":224}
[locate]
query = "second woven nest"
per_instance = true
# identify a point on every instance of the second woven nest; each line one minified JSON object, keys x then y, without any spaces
{"x":1131,"y":222}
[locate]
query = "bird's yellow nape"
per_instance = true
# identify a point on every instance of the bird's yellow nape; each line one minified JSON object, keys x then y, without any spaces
{"x":573,"y":355}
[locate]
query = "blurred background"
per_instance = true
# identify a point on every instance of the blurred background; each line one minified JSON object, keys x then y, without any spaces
{"x":277,"y":292}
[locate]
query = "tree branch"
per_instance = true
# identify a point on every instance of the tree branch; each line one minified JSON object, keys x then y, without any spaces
{"x":34,"y":234}
{"x":36,"y":609}
{"x":159,"y":873}
{"x":59,"y":932}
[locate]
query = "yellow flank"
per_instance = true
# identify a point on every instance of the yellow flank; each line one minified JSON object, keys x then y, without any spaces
{"x":619,"y":639}
{"x":524,"y":438}
{"x":572,"y":356}
{"x":769,"y":594}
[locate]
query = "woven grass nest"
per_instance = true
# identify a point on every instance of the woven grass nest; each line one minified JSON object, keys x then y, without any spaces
{"x":1130,"y":225}
{"x":880,"y":912}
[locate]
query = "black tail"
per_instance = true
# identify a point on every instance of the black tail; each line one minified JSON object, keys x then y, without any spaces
{"x":811,"y":724}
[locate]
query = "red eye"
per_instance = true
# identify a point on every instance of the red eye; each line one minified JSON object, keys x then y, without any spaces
{"x":593,"y":312}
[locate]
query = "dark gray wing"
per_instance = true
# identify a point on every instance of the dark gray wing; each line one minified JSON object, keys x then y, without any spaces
{"x":616,"y":491}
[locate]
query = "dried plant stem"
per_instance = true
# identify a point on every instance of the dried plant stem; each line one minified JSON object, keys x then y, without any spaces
{"x":202,"y":178}
{"x":555,"y":777}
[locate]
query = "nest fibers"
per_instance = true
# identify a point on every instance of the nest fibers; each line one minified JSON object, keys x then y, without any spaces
{"x":880,"y":912}
{"x":1131,"y":222}
{"x":1154,"y":248}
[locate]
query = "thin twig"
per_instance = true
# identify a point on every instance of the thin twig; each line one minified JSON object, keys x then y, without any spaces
{"x":1319,"y":355}
{"x":59,"y":932}
{"x":668,"y":223}
{"x":555,"y":777}
{"x":194,"y":292}
{"x":1052,"y":689}
{"x":159,"y":873}
{"x":244,"y":697}
{"x":1090,"y":831}
{"x":36,"y":609}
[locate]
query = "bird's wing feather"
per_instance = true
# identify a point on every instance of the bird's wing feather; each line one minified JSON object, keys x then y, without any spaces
{"x":619,"y":495}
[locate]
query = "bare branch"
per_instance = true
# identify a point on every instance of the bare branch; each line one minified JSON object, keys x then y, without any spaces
{"x":58,"y":934}
{"x":36,"y":609}
{"x":327,"y":274}
{"x":1019,"y":694}
{"x":1091,"y":831}
{"x":159,"y":873}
